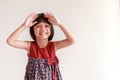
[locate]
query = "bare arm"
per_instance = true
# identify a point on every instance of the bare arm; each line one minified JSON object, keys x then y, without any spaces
{"x":69,"y":40}
{"x":13,"y":38}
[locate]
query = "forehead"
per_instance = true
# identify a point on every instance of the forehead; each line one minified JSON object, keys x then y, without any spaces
{"x":45,"y":23}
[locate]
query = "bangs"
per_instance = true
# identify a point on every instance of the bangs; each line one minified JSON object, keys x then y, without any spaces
{"x":41,"y":18}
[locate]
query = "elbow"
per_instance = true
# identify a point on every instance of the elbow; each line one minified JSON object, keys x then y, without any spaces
{"x":72,"y":41}
{"x":9,"y":42}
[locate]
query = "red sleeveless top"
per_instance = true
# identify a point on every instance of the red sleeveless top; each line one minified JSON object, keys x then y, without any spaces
{"x":48,"y":52}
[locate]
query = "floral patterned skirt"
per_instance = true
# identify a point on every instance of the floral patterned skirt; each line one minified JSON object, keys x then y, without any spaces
{"x":38,"y":69}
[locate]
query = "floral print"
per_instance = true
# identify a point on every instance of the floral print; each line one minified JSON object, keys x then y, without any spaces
{"x":38,"y":69}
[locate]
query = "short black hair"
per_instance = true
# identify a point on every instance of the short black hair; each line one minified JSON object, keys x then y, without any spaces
{"x":41,"y":18}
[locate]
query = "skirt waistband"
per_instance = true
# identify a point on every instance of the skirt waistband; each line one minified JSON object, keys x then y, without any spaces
{"x":37,"y":60}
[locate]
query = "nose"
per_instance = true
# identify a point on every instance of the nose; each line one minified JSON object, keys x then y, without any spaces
{"x":43,"y":27}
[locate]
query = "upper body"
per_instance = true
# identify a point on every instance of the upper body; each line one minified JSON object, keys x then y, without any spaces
{"x":42,"y":31}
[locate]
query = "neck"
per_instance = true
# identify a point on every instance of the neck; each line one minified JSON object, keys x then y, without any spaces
{"x":42,"y":43}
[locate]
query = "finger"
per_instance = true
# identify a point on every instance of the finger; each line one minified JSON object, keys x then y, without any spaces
{"x":34,"y":23}
{"x":46,"y":14}
{"x":28,"y":16}
{"x":35,"y":16}
{"x":50,"y":15}
{"x":50,"y":21}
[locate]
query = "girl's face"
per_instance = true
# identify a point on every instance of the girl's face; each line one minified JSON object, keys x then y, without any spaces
{"x":42,"y":30}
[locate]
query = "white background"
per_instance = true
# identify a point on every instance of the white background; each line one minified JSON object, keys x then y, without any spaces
{"x":94,"y":24}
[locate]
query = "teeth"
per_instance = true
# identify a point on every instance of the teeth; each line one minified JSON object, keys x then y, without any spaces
{"x":43,"y":33}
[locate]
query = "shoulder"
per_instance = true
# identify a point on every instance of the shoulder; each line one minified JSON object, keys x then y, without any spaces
{"x":29,"y":43}
{"x":54,"y":44}
{"x":51,"y":44}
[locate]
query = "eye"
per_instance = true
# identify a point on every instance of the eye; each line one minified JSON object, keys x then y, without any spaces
{"x":37,"y":26}
{"x":46,"y":25}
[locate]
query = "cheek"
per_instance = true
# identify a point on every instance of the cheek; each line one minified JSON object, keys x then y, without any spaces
{"x":36,"y":31}
{"x":49,"y":31}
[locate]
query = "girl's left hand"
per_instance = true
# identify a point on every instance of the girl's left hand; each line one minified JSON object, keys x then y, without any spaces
{"x":52,"y":19}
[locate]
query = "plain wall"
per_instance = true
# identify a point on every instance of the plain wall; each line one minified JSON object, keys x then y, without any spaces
{"x":94,"y":24}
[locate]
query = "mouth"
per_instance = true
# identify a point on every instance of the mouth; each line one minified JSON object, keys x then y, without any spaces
{"x":43,"y":33}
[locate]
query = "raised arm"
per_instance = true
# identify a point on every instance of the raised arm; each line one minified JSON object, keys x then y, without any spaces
{"x":13,"y":38}
{"x":69,"y":40}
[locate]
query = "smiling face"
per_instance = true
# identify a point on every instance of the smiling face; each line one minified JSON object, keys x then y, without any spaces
{"x":42,"y":30}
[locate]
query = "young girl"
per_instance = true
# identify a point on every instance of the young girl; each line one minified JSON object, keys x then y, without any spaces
{"x":42,"y":60}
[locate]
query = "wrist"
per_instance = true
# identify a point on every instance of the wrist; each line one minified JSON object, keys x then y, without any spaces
{"x":59,"y":24}
{"x":23,"y":26}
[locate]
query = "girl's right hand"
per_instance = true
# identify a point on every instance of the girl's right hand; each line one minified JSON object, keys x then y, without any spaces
{"x":29,"y":20}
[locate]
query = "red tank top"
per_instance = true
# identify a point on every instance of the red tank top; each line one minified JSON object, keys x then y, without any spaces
{"x":48,"y":52}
